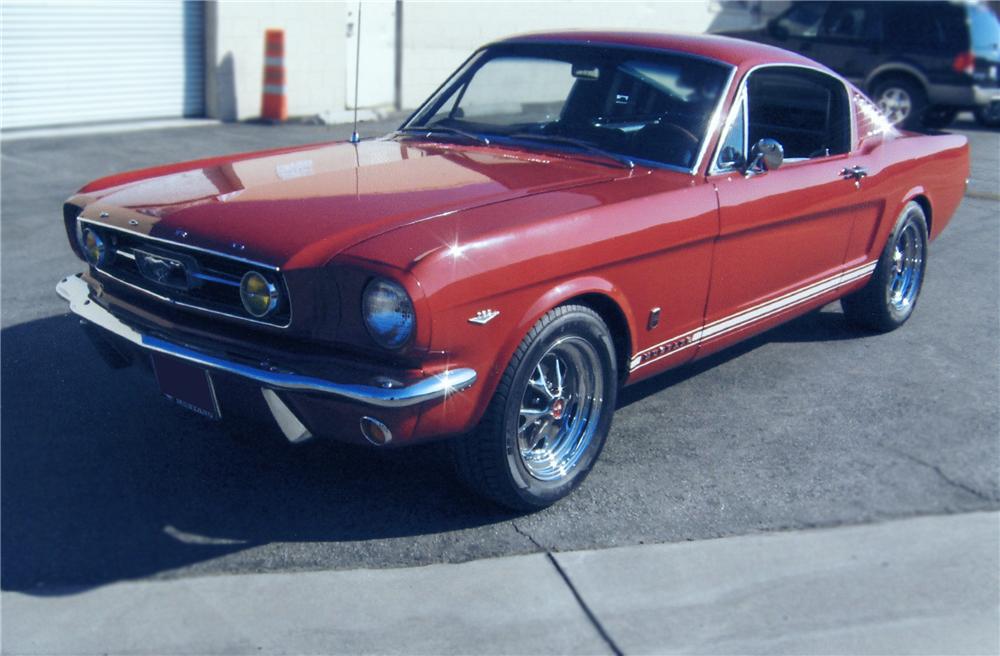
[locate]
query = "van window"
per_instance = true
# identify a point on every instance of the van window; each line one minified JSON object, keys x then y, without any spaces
{"x":802,"y":18}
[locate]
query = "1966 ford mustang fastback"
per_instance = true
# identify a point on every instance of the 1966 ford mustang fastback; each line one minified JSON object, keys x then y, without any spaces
{"x":567,"y":214}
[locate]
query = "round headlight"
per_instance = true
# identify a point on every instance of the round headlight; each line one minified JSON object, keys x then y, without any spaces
{"x":94,"y":247}
{"x":388,"y":313}
{"x":259,"y":295}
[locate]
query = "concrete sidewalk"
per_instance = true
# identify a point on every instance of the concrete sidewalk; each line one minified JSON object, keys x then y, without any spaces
{"x":926,"y":585}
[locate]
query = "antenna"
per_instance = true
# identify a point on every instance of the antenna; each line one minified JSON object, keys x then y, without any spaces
{"x":355,"y":137}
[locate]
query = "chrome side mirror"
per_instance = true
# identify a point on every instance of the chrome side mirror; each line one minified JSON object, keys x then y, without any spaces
{"x":766,"y":155}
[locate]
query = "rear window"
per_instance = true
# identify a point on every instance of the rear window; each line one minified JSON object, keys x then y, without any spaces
{"x":985,"y":28}
{"x":915,"y":26}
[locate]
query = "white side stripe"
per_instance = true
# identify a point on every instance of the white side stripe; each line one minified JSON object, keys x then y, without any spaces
{"x":757,"y":313}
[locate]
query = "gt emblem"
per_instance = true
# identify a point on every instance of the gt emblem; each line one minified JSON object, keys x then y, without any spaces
{"x":483,"y":317}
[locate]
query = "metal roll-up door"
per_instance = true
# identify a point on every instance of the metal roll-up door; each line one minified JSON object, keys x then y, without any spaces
{"x":78,"y":62}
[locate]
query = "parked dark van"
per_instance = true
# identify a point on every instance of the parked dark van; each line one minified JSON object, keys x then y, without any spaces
{"x":921,"y":62}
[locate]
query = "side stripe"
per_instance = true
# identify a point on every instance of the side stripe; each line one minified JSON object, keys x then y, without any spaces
{"x":734,"y":322}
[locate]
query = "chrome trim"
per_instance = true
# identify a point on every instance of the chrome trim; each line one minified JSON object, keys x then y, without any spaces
{"x":198,"y":308}
{"x":293,"y":429}
{"x":707,"y":137}
{"x":742,"y":92}
{"x":182,"y":304}
{"x":739,"y":103}
{"x":77,"y":292}
{"x":244,"y":260}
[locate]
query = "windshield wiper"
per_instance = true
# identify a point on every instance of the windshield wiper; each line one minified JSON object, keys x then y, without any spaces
{"x":430,"y":129}
{"x":579,"y":143}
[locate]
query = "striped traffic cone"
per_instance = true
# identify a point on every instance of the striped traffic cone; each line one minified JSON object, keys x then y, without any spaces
{"x":274,"y":105}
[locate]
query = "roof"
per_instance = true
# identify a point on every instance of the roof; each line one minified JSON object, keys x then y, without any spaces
{"x":737,"y":52}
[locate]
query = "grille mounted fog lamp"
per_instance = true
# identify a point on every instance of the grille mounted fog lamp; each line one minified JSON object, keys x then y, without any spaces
{"x":94,"y":247}
{"x":259,"y":295}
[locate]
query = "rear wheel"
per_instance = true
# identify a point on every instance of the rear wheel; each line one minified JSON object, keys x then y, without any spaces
{"x":901,"y":100}
{"x":550,"y":416}
{"x":890,"y":296}
{"x":988,"y":115}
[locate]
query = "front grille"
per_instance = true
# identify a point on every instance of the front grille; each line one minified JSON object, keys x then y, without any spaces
{"x":210,"y":282}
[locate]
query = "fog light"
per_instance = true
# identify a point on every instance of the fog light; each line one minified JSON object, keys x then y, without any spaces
{"x":259,"y":295}
{"x":375,"y":431}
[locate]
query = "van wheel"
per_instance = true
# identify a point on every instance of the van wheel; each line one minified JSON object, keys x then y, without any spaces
{"x":902,"y":101}
{"x":988,"y":115}
{"x":550,"y":416}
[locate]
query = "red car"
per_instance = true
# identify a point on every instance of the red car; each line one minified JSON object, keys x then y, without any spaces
{"x":569,"y":213}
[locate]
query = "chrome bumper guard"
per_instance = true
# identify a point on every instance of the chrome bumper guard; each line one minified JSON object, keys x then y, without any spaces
{"x":77,"y":293}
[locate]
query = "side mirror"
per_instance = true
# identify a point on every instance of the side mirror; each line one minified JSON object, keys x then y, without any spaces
{"x":766,"y":155}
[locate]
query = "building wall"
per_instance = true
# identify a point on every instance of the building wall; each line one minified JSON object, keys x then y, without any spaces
{"x":314,"y":56}
{"x":439,"y":36}
{"x":436,"y":36}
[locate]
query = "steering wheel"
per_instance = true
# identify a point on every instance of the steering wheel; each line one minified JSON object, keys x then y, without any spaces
{"x":666,"y":142}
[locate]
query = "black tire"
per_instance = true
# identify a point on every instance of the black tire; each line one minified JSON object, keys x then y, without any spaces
{"x":492,"y":459}
{"x":988,"y":116}
{"x":937,"y":118}
{"x":891,"y":294}
{"x":902,"y":100}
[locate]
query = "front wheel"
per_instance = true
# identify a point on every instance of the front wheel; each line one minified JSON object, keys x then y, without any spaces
{"x":890,"y":296}
{"x":550,"y":416}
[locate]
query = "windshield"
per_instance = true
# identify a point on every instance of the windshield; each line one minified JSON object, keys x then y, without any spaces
{"x":622,"y":103}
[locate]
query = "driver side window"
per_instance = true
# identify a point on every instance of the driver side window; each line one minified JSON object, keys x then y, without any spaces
{"x":805,"y":110}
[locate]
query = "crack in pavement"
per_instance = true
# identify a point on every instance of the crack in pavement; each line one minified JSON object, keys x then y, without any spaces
{"x":947,"y":479}
{"x":601,"y":631}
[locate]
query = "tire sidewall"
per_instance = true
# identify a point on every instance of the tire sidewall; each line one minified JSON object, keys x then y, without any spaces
{"x":911,"y":214}
{"x":531,"y":490}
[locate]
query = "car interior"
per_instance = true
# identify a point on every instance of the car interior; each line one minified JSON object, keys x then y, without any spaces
{"x":807,"y":112}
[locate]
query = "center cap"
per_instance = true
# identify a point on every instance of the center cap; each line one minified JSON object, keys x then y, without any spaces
{"x":558,"y":407}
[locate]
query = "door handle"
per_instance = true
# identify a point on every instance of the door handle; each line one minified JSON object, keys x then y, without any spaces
{"x":854,"y":173}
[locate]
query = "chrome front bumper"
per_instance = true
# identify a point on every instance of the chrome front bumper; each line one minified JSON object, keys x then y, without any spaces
{"x":77,"y":293}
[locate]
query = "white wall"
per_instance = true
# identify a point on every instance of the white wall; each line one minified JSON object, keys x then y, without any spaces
{"x":438,"y":36}
{"x":314,"y":56}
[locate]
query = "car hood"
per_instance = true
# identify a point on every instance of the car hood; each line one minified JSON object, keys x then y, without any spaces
{"x":299,"y":207}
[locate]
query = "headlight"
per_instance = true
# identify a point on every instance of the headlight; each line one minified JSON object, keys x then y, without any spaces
{"x":388,"y":313}
{"x":94,"y":247}
{"x":259,"y":295}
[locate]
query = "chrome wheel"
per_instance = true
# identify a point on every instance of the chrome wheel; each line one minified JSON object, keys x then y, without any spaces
{"x":907,"y":268}
{"x":560,"y":409}
{"x":896,"y":103}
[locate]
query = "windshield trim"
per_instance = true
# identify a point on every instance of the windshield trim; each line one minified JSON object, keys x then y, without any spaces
{"x":710,"y":129}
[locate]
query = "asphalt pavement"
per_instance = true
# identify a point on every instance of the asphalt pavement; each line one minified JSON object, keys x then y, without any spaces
{"x":813,"y":424}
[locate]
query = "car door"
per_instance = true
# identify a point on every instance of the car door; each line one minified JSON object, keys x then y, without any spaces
{"x":784,"y":233}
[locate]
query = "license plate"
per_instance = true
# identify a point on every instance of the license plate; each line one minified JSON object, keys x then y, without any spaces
{"x":186,"y":385}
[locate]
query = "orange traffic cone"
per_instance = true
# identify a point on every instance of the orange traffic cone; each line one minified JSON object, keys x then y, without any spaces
{"x":274,"y":106}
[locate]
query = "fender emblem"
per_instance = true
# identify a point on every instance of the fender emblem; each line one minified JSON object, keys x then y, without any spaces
{"x":483,"y":317}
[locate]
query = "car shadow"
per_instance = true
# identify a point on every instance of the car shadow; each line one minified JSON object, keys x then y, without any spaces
{"x":103,"y":481}
{"x":823,"y":325}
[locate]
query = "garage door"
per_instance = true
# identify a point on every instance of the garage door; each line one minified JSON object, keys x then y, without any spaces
{"x":78,"y":62}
